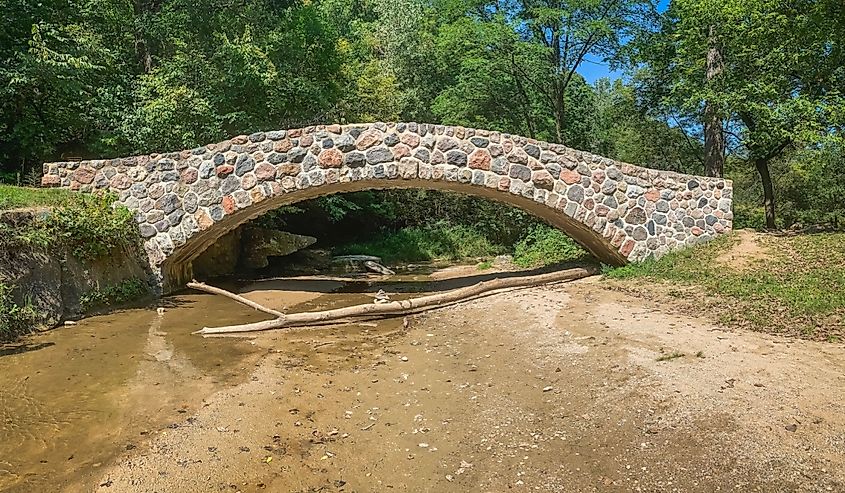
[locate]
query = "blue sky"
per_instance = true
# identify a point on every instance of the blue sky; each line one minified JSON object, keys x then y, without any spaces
{"x":594,"y":68}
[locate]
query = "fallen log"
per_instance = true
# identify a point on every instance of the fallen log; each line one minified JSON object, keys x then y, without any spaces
{"x":201,"y":286}
{"x":402,"y":307}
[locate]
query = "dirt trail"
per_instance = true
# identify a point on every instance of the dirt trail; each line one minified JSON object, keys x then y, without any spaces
{"x":747,"y":251}
{"x":562,"y":388}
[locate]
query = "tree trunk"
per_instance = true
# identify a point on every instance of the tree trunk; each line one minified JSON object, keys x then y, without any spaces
{"x":762,"y":166}
{"x":714,"y":137}
{"x":142,"y":50}
{"x":560,"y":111}
{"x":526,"y":106}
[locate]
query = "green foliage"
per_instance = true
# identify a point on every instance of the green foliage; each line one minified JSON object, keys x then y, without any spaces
{"x":544,"y":245}
{"x":87,"y":225}
{"x":102,"y":78}
{"x":538,"y":244}
{"x":780,"y":90}
{"x":797,"y":292}
{"x":14,"y":319}
{"x":123,"y":292}
{"x":812,"y":186}
{"x":623,"y":130}
{"x":358,"y":216}
{"x":414,"y":244}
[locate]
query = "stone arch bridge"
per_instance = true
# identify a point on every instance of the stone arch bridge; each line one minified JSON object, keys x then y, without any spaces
{"x":184,"y":201}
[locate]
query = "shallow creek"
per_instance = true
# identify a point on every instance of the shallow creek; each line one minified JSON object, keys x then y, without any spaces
{"x":76,"y":397}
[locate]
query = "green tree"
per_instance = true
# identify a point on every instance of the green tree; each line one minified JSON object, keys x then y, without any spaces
{"x":623,"y":130}
{"x":781,"y":87}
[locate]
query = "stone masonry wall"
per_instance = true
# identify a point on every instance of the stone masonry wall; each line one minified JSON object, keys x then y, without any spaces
{"x":621,"y":212}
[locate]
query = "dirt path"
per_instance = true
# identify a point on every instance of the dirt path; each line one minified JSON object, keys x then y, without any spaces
{"x":564,"y":388}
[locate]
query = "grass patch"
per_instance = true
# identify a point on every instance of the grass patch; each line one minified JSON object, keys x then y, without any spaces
{"x":799,"y":290}
{"x":415,"y":244}
{"x":670,"y":356}
{"x":12,"y":197}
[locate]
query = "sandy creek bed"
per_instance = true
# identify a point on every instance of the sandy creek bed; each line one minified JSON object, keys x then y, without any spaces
{"x":556,"y":388}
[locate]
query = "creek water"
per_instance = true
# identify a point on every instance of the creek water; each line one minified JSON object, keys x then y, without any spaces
{"x":76,"y":397}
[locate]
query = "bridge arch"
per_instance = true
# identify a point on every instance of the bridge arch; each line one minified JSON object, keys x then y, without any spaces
{"x":184,"y":201}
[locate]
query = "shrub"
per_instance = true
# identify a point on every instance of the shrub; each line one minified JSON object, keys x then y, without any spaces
{"x":89,"y":226}
{"x":439,"y":241}
{"x":544,"y":245}
{"x":14,"y":319}
{"x":128,"y":290}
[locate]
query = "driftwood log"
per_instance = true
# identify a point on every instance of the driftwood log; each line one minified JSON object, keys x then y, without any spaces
{"x":392,"y":308}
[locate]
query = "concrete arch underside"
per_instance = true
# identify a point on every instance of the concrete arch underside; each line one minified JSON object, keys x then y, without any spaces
{"x":185,"y":201}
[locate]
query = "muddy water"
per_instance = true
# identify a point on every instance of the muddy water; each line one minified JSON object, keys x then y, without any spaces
{"x":74,"y":398}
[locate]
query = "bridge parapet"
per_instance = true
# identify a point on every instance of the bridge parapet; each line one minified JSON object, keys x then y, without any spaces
{"x":185,"y":200}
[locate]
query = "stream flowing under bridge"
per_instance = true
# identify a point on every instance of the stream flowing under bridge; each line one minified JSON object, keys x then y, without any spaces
{"x":184,"y":201}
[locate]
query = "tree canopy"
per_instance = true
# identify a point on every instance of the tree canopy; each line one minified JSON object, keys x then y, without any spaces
{"x":756,"y":85}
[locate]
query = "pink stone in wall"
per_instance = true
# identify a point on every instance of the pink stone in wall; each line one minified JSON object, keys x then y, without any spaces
{"x":228,"y":204}
{"x":652,"y":195}
{"x":479,"y":159}
{"x":627,"y":247}
{"x":239,"y":140}
{"x":225,"y":170}
{"x":518,"y":156}
{"x":618,"y":239}
{"x":289,"y":169}
{"x":543,"y":179}
{"x":50,"y":181}
{"x":189,"y":176}
{"x":283,"y":145}
{"x":570,"y":177}
{"x":697,"y":231}
{"x":332,"y":176}
{"x":504,"y":183}
{"x":399,"y":151}
{"x":265,"y":172}
{"x":330,"y":158}
{"x":84,"y":175}
{"x":410,"y":139}
{"x":368,"y":139}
